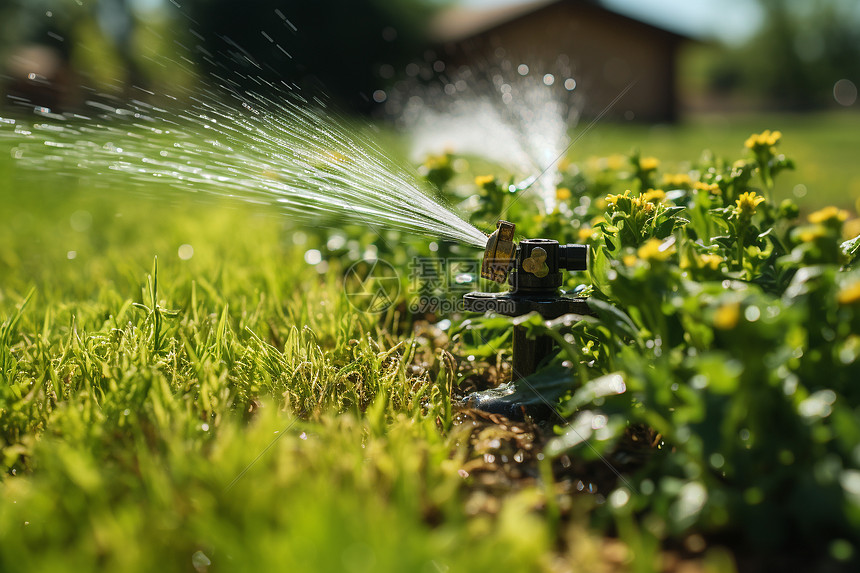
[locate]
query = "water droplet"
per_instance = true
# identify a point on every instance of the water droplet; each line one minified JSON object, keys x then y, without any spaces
{"x":818,"y":405}
{"x":570,"y":84}
{"x":185,"y":252}
{"x":200,"y":562}
{"x":845,"y":92}
{"x":548,"y":79}
{"x":81,"y":221}
{"x":619,"y":497}
{"x":752,"y":313}
{"x":313,"y":257}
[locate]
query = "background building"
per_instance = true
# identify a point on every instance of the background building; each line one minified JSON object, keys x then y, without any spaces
{"x":606,"y":51}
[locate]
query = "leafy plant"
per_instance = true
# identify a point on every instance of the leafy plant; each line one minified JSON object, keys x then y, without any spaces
{"x":729,"y":327}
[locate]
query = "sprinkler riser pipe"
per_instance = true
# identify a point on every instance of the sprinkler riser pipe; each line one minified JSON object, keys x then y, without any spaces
{"x":528,"y":353}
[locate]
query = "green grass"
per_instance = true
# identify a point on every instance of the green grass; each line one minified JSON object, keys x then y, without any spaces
{"x":263,"y":422}
{"x":824,"y":145}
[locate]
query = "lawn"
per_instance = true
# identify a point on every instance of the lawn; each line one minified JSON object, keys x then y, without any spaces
{"x":824,"y":145}
{"x":181,"y":389}
{"x":238,"y":407}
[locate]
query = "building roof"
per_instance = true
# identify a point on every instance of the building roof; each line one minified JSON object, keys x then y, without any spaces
{"x":460,"y":23}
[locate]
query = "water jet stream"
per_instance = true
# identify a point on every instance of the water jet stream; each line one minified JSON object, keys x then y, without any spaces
{"x":512,"y":115}
{"x":307,"y":163}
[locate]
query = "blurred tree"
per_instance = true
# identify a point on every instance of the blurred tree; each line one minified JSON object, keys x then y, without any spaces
{"x":56,"y":53}
{"x":348,"y":48}
{"x":802,"y":49}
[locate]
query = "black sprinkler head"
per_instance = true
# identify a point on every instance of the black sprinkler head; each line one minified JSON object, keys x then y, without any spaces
{"x":534,"y":270}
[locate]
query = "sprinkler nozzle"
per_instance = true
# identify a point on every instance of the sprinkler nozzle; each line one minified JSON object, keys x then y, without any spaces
{"x":500,"y":252}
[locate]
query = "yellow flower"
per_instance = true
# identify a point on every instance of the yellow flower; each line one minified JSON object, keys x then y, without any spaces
{"x":613,"y":199}
{"x":654,"y":195}
{"x":677,"y":180}
{"x":482,"y":180}
{"x":562,"y":193}
{"x":585,"y":233}
{"x":828,"y":214}
{"x":563,"y":164}
{"x":711,"y":261}
{"x":437,"y":161}
{"x":629,"y":260}
{"x":849,"y":294}
{"x":851,"y":229}
{"x":635,"y":204}
{"x":712,"y":188}
{"x":810,"y":234}
{"x":765,"y":139}
{"x":615,"y":162}
{"x":649,"y":163}
{"x":706,"y":261}
{"x":655,"y":250}
{"x":747,"y":203}
{"x":727,"y":316}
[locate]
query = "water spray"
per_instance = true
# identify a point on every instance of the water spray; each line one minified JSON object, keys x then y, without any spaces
{"x":533,"y":268}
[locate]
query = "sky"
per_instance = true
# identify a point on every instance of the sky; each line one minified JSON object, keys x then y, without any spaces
{"x":729,"y":20}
